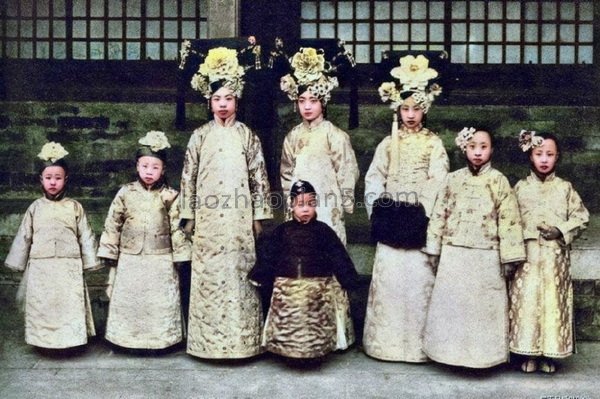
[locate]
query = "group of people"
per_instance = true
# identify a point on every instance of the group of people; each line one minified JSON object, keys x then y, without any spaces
{"x":490,"y":276}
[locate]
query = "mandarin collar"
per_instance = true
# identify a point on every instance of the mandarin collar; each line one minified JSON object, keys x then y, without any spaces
{"x":225,"y":123}
{"x":55,"y":198}
{"x":156,"y":186}
{"x":403,"y":130}
{"x":482,"y":170}
{"x":549,"y":177}
{"x":314,"y":123}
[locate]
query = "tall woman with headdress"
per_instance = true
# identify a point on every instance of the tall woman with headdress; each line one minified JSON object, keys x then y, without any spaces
{"x":408,"y":167}
{"x":224,"y":198}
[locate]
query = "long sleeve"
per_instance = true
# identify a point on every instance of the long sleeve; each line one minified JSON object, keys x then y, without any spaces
{"x":286,"y":169}
{"x":376,"y":177}
{"x":182,"y":247}
{"x":258,"y":180}
{"x":577,"y":217}
{"x":268,"y":250}
{"x":345,"y":166}
{"x":189,"y":174}
{"x":510,"y":231}
{"x":18,"y":256}
{"x":438,"y":169}
{"x":437,"y":221}
{"x":113,"y":225}
{"x":341,"y":263}
{"x":87,"y":242}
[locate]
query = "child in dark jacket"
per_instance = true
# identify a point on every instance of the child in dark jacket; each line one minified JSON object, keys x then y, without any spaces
{"x":300,"y":259}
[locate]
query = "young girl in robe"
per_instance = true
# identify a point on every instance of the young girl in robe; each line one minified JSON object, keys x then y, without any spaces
{"x":54,"y":246}
{"x":475,"y":235}
{"x":320,"y":152}
{"x":225,"y":196}
{"x":409,"y":165}
{"x":300,"y":259}
{"x":141,"y":242}
{"x":541,"y":293}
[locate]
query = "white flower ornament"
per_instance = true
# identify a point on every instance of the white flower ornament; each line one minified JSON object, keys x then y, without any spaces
{"x":414,"y":72}
{"x":156,"y":140}
{"x":413,"y":75}
{"x":463,"y":137}
{"x":52,"y":152}
{"x":528,"y":140}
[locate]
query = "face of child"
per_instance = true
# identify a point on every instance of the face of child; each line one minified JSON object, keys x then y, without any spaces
{"x":310,"y":106}
{"x":544,"y":157}
{"x":411,"y":113}
{"x":223,"y":103}
{"x":479,"y":149}
{"x":53,"y":179}
{"x":150,"y":169}
{"x":304,"y":207}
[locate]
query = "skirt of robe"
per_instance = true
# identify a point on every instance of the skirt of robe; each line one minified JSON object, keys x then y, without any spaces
{"x":58,"y":312}
{"x":397,"y":305}
{"x":541,"y":294}
{"x":145,"y":308}
{"x":304,"y":318}
{"x":467,"y":321}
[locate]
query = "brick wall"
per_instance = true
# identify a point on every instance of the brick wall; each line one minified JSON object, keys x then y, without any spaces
{"x":102,"y":137}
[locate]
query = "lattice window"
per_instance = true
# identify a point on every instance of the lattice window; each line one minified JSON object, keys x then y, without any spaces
{"x":99,"y":29}
{"x":473,"y":32}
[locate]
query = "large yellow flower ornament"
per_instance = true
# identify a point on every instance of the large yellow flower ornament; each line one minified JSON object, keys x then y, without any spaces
{"x":221,"y":64}
{"x":308,"y":65}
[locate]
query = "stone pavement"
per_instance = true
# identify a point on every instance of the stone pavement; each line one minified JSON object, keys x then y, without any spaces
{"x":102,"y":371}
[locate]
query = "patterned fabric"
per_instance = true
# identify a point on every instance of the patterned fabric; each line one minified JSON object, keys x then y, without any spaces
{"x":402,"y":279}
{"x":143,"y":221}
{"x":141,"y":231}
{"x":322,"y":154}
{"x":423,"y":165}
{"x":541,"y":293}
{"x":224,"y":189}
{"x":145,"y":309}
{"x":301,"y":322}
{"x":475,"y":226}
{"x":477,"y":211}
{"x":53,"y":245}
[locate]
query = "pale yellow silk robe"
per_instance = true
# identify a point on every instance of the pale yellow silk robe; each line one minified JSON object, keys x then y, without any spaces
{"x":53,"y":246}
{"x":322,"y":154}
{"x":541,"y":293}
{"x":475,"y":227}
{"x":141,"y":231}
{"x":402,"y":279}
{"x":224,"y":189}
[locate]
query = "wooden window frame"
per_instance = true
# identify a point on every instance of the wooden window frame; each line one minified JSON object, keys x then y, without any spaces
{"x":155,"y":81}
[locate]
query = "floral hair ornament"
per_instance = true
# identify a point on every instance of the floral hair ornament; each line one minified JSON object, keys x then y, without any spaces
{"x":463,"y":137}
{"x":310,"y":70}
{"x":528,"y":140}
{"x":221,"y":65}
{"x":154,"y":144}
{"x":414,"y":75}
{"x":156,"y":140}
{"x":52,"y":152}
